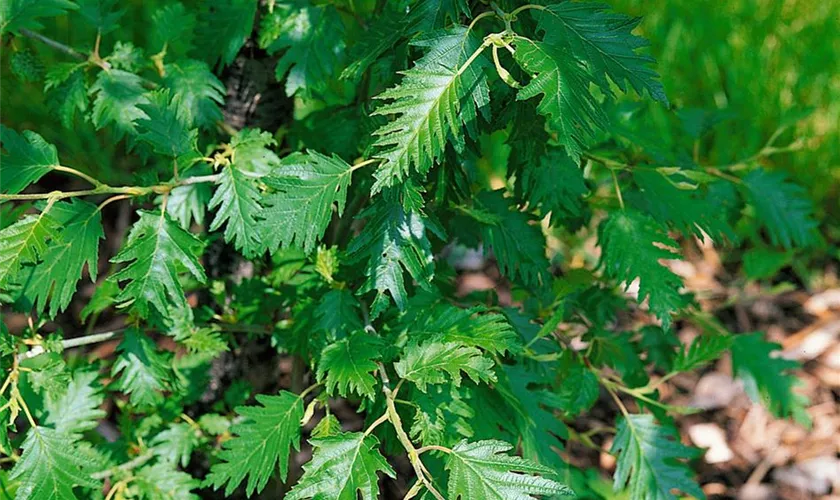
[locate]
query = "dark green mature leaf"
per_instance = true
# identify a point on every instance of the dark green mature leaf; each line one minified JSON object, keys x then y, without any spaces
{"x":342,"y":468}
{"x":433,"y":101}
{"x":166,"y":125}
{"x":483,"y":470}
{"x":238,"y":201}
{"x":262,"y":444}
{"x":556,"y":185}
{"x":76,"y":410}
{"x":118,"y":96}
{"x":25,"y":242}
{"x":703,"y":350}
{"x":338,"y":313}
{"x":604,"y":41}
{"x":307,"y":186}
{"x":140,"y":370}
{"x":157,"y":250}
{"x":67,"y":91}
{"x":100,"y":14}
{"x":426,"y":363}
{"x":223,"y":27}
{"x":571,"y":110}
{"x":472,"y":327}
{"x":578,"y":390}
{"x":782,"y":208}
{"x":767,"y":378}
{"x":51,"y":465}
{"x":632,"y":245}
{"x":312,"y":40}
{"x":650,"y":459}
{"x":27,"y":157}
{"x":196,"y":91}
{"x":173,"y":28}
{"x":394,"y":239}
{"x":347,"y":365}
{"x":53,"y":281}
{"x":19,"y":14}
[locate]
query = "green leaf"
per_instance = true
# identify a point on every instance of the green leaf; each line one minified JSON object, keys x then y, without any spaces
{"x":173,"y":26}
{"x":223,"y":28}
{"x":556,"y":185}
{"x":252,"y":155}
{"x":166,"y":126}
{"x":632,"y":245}
{"x":140,"y":371}
{"x":433,"y":101}
{"x":312,"y":40}
{"x":342,"y":468}
{"x":338,"y":313}
{"x":100,"y":14}
{"x":578,"y":390}
{"x":604,"y":41}
{"x":327,"y":426}
{"x":650,"y":459}
{"x":67,"y":92}
{"x":195,"y":91}
{"x":764,"y":263}
{"x":77,"y":244}
{"x":175,"y":444}
{"x":27,"y":158}
{"x":51,"y":465}
{"x":347,"y":365}
{"x":262,"y":444}
{"x":483,"y":470}
{"x":25,"y":242}
{"x":782,"y":208}
{"x":23,"y":14}
{"x":393,"y":240}
{"x":703,"y":350}
{"x":162,"y":481}
{"x":571,"y":110}
{"x":77,"y":410}
{"x":472,"y":327}
{"x":238,"y":203}
{"x":118,"y":96}
{"x":426,"y":363}
{"x":156,"y":251}
{"x":768,"y":379}
{"x":187,"y":204}
{"x":307,"y":186}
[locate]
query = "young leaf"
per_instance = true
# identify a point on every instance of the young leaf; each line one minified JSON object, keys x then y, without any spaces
{"x":767,"y":379}
{"x":483,"y":470}
{"x":156,"y":251}
{"x":163,"y":481}
{"x":140,"y":371}
{"x":56,"y":277}
{"x":118,"y":97}
{"x":346,"y":365}
{"x":312,"y":38}
{"x":252,"y":155}
{"x":650,"y":459}
{"x":27,"y":158}
{"x":175,"y":444}
{"x":605,"y":41}
{"x":188,"y":203}
{"x":196,"y":91}
{"x":426,"y":363}
{"x":262,"y":444}
{"x":571,"y":110}
{"x":238,"y":201}
{"x":308,"y":185}
{"x":394,"y":239}
{"x":342,"y":468}
{"x":782,"y":208}
{"x":76,"y":410}
{"x":632,"y":245}
{"x":432,"y":102}
{"x":51,"y":466}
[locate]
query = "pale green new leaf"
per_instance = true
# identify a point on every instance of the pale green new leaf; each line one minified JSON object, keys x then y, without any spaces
{"x":162,"y":481}
{"x":651,"y":460}
{"x":76,"y":410}
{"x":140,"y":370}
{"x":426,"y":363}
{"x":175,"y":444}
{"x":484,"y":470}
{"x":196,"y":91}
{"x":19,"y":14}
{"x":343,"y":467}
{"x":118,"y":95}
{"x":394,"y":239}
{"x":51,"y":465}
{"x":571,"y":110}
{"x":238,"y":202}
{"x":53,"y":281}
{"x":347,"y":365}
{"x":782,"y":208}
{"x":307,"y":186}
{"x":26,"y":158}
{"x":25,"y":242}
{"x":604,"y":42}
{"x":632,"y":245}
{"x":157,"y":250}
{"x":432,"y":102}
{"x":252,"y":155}
{"x":187,"y":204}
{"x":262,"y":444}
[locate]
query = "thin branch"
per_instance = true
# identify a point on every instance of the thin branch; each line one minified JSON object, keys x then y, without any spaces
{"x":434,"y":447}
{"x":131,"y":464}
{"x":70,"y":51}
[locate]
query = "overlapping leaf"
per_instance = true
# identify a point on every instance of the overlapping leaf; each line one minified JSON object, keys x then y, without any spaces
{"x":347,"y":365}
{"x":426,"y":363}
{"x":140,"y":370}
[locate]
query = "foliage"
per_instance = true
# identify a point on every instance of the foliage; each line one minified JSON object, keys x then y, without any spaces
{"x":224,"y":222}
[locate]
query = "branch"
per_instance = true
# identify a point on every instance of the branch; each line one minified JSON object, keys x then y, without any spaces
{"x":70,"y":51}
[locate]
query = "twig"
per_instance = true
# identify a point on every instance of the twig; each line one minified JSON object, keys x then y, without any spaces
{"x":131,"y":464}
{"x":70,"y":51}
